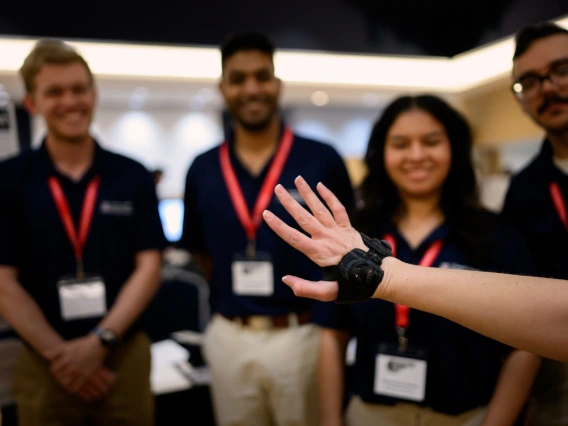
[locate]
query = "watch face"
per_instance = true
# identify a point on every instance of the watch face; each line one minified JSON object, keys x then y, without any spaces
{"x":108,"y":335}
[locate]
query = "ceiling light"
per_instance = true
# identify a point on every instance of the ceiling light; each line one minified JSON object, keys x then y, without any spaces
{"x":465,"y":71}
{"x":320,"y":98}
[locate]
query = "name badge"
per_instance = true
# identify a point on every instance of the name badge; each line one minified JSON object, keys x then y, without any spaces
{"x":400,"y":374}
{"x":82,"y":298}
{"x":253,"y":276}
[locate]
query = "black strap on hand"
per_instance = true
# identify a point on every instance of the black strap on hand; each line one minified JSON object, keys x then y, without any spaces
{"x":359,"y":273}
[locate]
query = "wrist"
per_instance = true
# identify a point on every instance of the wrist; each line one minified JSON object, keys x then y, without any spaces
{"x":386,"y":289}
{"x":96,"y":345}
{"x":106,"y":338}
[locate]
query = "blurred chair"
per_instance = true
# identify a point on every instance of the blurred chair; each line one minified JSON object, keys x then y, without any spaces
{"x":181,"y":303}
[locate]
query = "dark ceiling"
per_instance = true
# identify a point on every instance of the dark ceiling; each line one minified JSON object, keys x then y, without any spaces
{"x":413,"y":27}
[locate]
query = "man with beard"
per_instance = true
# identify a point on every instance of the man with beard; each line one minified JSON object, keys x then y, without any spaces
{"x":536,"y":198}
{"x":260,"y":345}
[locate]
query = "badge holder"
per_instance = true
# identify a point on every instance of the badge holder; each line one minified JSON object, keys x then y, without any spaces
{"x":253,"y":272}
{"x":82,"y":296}
{"x":400,"y":370}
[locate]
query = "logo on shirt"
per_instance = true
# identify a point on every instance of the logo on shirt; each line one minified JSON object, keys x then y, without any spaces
{"x":396,"y":366}
{"x":295,"y":195}
{"x":117,"y":208}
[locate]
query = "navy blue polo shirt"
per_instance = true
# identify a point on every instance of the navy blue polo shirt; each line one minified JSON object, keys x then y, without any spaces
{"x":211,"y":225}
{"x":529,"y":206}
{"x":32,"y":237}
{"x":463,"y":366}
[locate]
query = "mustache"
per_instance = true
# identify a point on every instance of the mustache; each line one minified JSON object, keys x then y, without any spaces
{"x":548,"y":101}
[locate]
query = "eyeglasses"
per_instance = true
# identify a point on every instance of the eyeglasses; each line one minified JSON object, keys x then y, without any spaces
{"x":529,"y":85}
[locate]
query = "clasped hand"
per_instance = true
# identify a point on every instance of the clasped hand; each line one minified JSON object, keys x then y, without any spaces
{"x":78,"y":366}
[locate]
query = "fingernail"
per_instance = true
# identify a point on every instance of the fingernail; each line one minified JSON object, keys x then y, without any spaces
{"x":300,"y":180}
{"x":267,"y":214}
{"x":279,"y":189}
{"x":284,"y":278}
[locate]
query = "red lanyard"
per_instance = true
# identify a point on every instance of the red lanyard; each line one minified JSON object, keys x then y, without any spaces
{"x":402,"y":313}
{"x":77,"y":240}
{"x":559,"y":204}
{"x":251,"y":223}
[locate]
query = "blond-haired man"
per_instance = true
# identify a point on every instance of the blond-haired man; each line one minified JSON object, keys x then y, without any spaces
{"x":80,"y":241}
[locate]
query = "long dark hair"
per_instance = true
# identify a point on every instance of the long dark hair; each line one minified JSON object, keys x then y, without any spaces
{"x":378,"y":197}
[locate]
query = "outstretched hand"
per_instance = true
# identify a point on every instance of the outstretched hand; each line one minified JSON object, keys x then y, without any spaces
{"x":332,"y":235}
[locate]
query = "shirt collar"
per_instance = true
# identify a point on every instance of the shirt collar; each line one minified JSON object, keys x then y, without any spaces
{"x":47,"y":168}
{"x":231,"y":135}
{"x":237,"y":163}
{"x":548,"y":170}
{"x":442,"y":232}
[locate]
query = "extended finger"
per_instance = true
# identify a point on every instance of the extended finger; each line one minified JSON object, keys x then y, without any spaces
{"x":303,"y":217}
{"x":319,"y":210}
{"x":292,"y":236}
{"x":325,"y":291}
{"x":338,"y":209}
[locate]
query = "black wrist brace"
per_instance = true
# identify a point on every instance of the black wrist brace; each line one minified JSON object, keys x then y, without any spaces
{"x":359,"y":273}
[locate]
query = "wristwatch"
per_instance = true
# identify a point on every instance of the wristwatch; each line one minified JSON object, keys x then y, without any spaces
{"x":108,"y":338}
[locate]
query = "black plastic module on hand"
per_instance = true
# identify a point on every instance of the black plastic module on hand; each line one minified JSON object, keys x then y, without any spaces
{"x":359,"y":273}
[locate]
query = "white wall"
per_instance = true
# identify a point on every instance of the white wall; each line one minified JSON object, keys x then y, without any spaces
{"x":8,"y":127}
{"x":171,"y":139}
{"x":347,"y":129}
{"x":168,"y":140}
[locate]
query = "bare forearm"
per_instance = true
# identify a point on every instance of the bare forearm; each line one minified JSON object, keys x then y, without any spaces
{"x":523,"y":312}
{"x":135,"y":295}
{"x":331,"y":376}
{"x":513,"y":388}
{"x":24,"y":315}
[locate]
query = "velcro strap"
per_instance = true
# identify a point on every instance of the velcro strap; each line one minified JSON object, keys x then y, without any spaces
{"x":360,"y":275}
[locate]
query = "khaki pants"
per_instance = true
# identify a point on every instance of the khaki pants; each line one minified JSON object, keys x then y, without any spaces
{"x":263,"y":377}
{"x":43,"y":402}
{"x":360,"y":413}
{"x":549,"y":404}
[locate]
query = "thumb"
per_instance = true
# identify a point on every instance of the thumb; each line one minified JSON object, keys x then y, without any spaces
{"x":325,"y":291}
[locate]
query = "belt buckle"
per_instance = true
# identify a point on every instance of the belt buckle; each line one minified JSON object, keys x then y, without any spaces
{"x":260,"y":322}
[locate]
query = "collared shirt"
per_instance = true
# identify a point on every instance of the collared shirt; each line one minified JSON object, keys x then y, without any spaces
{"x":463,"y":366}
{"x":529,"y":206}
{"x":33,"y":239}
{"x":211,"y":225}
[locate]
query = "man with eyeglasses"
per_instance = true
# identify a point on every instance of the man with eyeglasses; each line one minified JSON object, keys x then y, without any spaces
{"x":536,"y":200}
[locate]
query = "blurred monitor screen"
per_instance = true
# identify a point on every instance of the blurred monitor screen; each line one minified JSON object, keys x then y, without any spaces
{"x":171,"y":213}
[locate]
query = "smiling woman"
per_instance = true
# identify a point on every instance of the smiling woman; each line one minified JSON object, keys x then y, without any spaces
{"x":421,"y":197}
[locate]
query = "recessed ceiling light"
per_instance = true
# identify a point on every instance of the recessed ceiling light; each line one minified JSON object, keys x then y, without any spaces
{"x":320,"y":98}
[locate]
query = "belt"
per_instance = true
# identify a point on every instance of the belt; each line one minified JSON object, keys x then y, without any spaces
{"x":265,"y":322}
